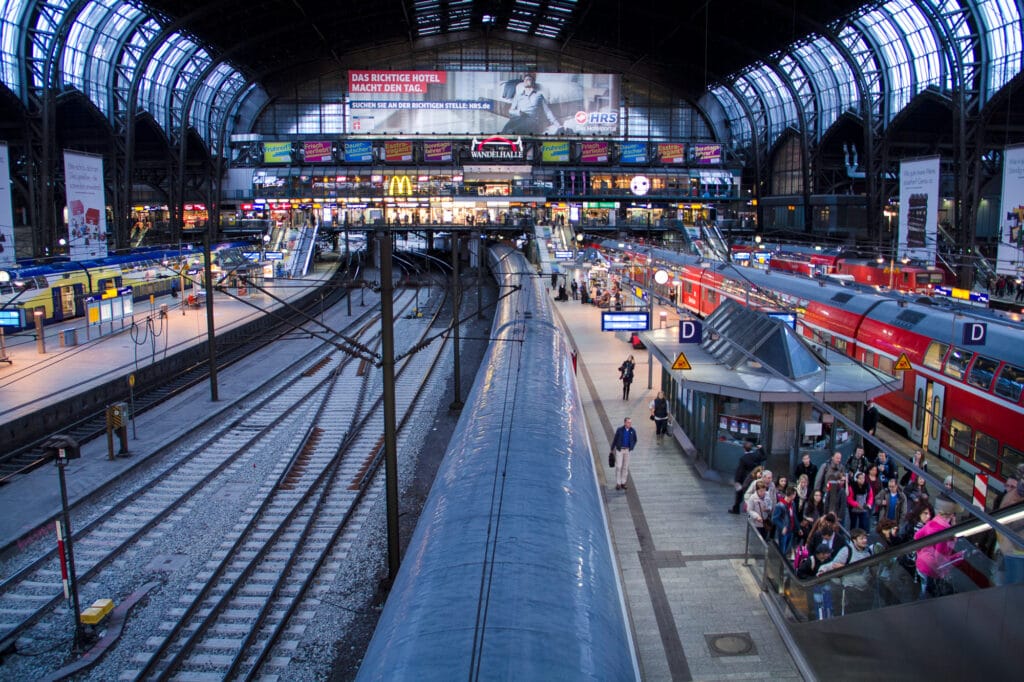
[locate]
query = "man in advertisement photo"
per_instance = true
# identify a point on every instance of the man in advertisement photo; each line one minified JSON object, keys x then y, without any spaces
{"x":529,"y":112}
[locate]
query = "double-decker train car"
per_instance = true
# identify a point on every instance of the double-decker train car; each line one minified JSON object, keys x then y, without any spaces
{"x":962,"y":398}
{"x":510,"y":573}
{"x":59,"y":289}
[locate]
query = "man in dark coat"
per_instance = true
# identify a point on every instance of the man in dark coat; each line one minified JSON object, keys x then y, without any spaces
{"x":870,"y":423}
{"x":752,"y":457}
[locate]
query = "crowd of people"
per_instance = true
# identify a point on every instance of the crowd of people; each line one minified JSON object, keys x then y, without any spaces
{"x":828,"y":517}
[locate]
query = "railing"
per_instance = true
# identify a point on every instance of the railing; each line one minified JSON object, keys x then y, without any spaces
{"x":881,"y":580}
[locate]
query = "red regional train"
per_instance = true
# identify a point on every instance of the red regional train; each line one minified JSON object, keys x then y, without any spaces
{"x":962,"y":399}
{"x":907,"y":277}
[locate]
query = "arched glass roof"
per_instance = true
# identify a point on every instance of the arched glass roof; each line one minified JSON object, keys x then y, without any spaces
{"x":834,"y":84}
{"x":10,"y":38}
{"x":1002,"y":42}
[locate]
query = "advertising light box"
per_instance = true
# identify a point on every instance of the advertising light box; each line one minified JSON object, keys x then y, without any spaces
{"x":594,"y":152}
{"x":398,"y":152}
{"x":706,"y":154}
{"x":437,"y":152}
{"x":277,"y":152}
{"x":671,"y":152}
{"x":554,"y":152}
{"x":358,"y":152}
{"x":481,"y":103}
{"x":633,"y":152}
{"x":317,"y":152}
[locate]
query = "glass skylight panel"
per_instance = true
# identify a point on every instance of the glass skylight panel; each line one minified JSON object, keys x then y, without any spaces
{"x":10,"y":39}
{"x":106,"y":42}
{"x":802,"y":85}
{"x":1002,"y":38}
{"x":154,"y":95}
{"x":738,"y":121}
{"x":886,"y":36}
{"x":923,"y":43}
{"x":80,"y":36}
{"x":47,"y":21}
{"x":834,"y":83}
{"x":773,"y":98}
{"x":956,"y":19}
{"x":866,"y":60}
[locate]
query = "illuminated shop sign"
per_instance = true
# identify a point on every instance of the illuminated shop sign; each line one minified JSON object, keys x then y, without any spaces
{"x":497,"y":148}
{"x":399,"y":186}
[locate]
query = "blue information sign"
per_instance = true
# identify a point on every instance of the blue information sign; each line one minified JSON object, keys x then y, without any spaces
{"x":625,"y":322}
{"x":10,"y":318}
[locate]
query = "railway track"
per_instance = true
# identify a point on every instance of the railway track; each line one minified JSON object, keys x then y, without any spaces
{"x":292,"y":467}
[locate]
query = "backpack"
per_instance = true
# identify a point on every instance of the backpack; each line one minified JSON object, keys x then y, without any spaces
{"x":799,"y":554}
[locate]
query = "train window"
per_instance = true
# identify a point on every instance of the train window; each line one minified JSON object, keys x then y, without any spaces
{"x":933,"y":356}
{"x":711,"y":296}
{"x":689,"y":287}
{"x":886,"y":365}
{"x":959,"y":437}
{"x":986,"y":451}
{"x":1012,"y":459}
{"x":983,"y":371}
{"x":956,"y":363}
{"x":1010,"y":382}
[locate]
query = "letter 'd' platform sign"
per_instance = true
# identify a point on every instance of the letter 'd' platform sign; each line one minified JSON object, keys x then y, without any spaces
{"x":974,"y":333}
{"x":690,"y":331}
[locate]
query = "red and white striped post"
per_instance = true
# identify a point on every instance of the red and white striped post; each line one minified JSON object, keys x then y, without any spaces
{"x":63,"y":561}
{"x":980,"y":490}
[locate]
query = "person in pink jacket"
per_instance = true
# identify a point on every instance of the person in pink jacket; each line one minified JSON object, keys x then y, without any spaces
{"x":934,"y":562}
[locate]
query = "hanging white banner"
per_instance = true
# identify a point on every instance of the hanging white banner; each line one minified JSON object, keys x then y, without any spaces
{"x":6,"y":212}
{"x":87,"y":214}
{"x":1010,"y":256}
{"x":919,"y":208}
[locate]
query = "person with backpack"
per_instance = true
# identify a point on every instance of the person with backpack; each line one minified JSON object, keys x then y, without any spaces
{"x":659,"y":413}
{"x":857,"y":592}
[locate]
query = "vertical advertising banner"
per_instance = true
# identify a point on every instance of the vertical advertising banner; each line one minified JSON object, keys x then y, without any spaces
{"x":6,"y":211}
{"x":1010,"y":257}
{"x":919,"y":208}
{"x":87,"y":208}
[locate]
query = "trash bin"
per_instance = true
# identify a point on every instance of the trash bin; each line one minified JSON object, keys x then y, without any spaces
{"x":69,"y":337}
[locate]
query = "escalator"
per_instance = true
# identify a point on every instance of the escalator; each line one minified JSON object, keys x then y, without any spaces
{"x":869,"y":619}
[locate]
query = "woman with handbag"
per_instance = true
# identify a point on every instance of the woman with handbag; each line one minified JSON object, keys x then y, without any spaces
{"x":759,"y":509}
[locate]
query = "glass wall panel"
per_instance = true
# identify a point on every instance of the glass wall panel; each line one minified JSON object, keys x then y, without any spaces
{"x":1002,"y":35}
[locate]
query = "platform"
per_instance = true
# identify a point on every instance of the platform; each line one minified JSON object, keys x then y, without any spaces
{"x":695,"y":608}
{"x":34,"y":379}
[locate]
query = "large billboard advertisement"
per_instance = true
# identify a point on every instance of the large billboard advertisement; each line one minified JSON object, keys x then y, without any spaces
{"x":482,"y":103}
{"x":919,"y":208}
{"x":87,"y":209}
{"x":6,"y":212}
{"x":1010,"y":255}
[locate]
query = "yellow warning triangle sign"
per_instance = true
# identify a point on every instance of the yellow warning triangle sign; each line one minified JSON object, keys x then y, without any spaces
{"x":903,"y":363}
{"x":681,"y":362}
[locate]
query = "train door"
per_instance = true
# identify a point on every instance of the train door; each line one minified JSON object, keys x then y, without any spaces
{"x":64,"y":299}
{"x":926,"y":424}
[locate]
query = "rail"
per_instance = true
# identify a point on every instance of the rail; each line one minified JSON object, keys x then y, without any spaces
{"x":881,"y":580}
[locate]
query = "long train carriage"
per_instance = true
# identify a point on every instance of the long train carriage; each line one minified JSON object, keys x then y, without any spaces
{"x":959,"y":401}
{"x":59,"y":289}
{"x":510,"y":573}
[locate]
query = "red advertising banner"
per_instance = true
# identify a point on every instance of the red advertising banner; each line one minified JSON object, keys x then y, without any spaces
{"x":671,"y":152}
{"x":437,"y":152}
{"x":397,"y":152}
{"x":399,"y":82}
{"x":316,"y":152}
{"x":594,"y":152}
